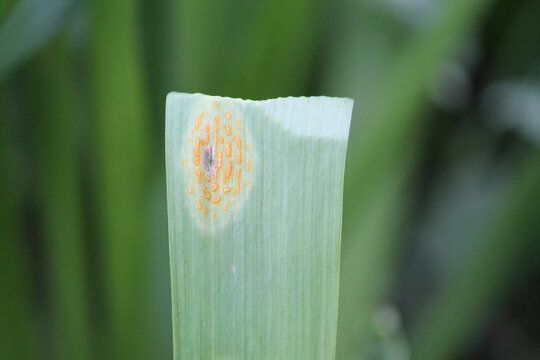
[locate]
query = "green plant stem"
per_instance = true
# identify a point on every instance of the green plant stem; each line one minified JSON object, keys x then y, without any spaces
{"x":53,"y":101}
{"x":122,"y":147}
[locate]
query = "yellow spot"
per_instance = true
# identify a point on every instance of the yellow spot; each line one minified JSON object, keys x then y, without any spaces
{"x":227,"y":149}
{"x":248,"y":164}
{"x":183,"y":162}
{"x":227,"y":172}
{"x":238,"y":124}
{"x":238,"y":143}
{"x":226,"y":190}
{"x":207,"y":196}
{"x":218,"y":160}
{"x":208,"y":178}
{"x":205,"y":211}
{"x":196,"y":151}
{"x":199,"y":205}
{"x":216,"y":199}
{"x":216,"y":128}
{"x":238,"y":157}
{"x":190,"y":189}
{"x":206,"y":127}
{"x":192,"y":131}
{"x":197,"y":118}
{"x":216,"y":172}
{"x":221,"y":139}
{"x":228,"y":115}
{"x":227,"y":129}
{"x":237,"y":184}
{"x":247,"y":184}
{"x":189,"y":141}
{"x":206,"y":138}
{"x":214,"y":213}
{"x":204,"y":188}
{"x":198,"y":174}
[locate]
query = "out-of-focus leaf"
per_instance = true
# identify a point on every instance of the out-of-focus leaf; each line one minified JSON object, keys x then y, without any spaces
{"x":53,"y":100}
{"x":360,"y":54}
{"x":514,"y":105}
{"x":159,"y":47}
{"x":489,"y":268}
{"x":392,"y":114}
{"x":122,"y":153}
{"x":5,"y":6}
{"x":416,"y":12}
{"x":457,"y":211}
{"x":27,"y":27}
{"x":280,"y":28}
{"x":381,"y":133}
{"x":388,"y":341}
{"x":251,"y":49}
{"x":17,"y":321}
{"x":519,"y":46}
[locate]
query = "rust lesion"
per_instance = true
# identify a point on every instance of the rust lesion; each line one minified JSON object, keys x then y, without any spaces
{"x":220,"y":153}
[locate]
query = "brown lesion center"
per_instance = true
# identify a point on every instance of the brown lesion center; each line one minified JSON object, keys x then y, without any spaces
{"x":208,"y":159}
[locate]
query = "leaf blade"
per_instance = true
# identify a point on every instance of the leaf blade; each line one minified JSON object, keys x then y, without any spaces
{"x":260,"y":280}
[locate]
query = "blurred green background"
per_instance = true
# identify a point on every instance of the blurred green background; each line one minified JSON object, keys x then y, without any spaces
{"x":441,"y":233}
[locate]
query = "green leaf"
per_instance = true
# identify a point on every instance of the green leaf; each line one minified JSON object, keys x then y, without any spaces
{"x":488,"y":271}
{"x":53,"y":100}
{"x":18,"y":338}
{"x":122,"y":169}
{"x":255,"y":270}
{"x":28,"y":27}
{"x":5,"y":7}
{"x":260,"y":49}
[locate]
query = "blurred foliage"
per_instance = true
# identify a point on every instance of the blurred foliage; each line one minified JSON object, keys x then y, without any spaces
{"x":440,"y":247}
